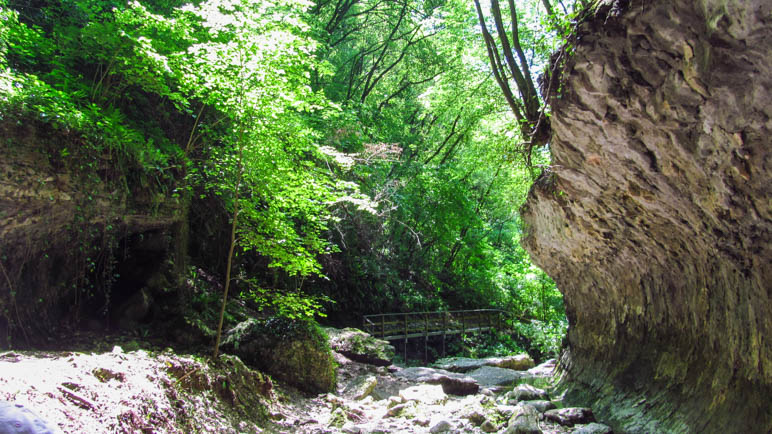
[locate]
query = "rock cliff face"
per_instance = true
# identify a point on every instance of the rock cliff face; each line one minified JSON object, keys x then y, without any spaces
{"x":655,"y":219}
{"x":77,"y":238}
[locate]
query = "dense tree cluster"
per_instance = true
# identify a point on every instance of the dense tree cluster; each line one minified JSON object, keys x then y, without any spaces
{"x":362,"y":151}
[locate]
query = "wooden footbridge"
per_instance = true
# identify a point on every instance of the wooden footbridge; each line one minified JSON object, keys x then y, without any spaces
{"x":411,"y":325}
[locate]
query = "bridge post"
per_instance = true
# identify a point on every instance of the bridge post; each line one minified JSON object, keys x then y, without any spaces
{"x":383,"y":326}
{"x":426,"y":337}
{"x":463,"y":325}
{"x":444,"y":330}
{"x":404,"y":319}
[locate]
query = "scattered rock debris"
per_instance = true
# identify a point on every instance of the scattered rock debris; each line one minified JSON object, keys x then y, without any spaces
{"x":117,"y":392}
{"x":145,"y":392}
{"x":412,"y":400}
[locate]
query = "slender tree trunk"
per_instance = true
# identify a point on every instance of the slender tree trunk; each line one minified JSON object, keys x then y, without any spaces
{"x":499,"y":73}
{"x":182,"y":228}
{"x":534,"y":125}
{"x":227,"y":284}
{"x":232,"y":247}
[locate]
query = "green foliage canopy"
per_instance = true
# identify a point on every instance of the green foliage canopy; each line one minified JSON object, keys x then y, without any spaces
{"x":281,"y":111}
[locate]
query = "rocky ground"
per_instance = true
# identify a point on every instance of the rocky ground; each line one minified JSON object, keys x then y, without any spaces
{"x":373,"y":399}
{"x":130,"y":392}
{"x":159,"y":391}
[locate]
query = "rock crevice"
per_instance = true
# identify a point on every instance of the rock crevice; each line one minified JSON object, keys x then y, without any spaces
{"x":655,"y":219}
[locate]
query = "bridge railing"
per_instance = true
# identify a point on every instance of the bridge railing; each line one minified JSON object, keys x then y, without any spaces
{"x":403,"y":326}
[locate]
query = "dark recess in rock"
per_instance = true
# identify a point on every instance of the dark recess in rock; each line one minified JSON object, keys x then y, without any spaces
{"x":71,"y":251}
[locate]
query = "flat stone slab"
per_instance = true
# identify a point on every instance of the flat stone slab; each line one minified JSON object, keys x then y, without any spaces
{"x":492,"y":376}
{"x":424,"y":393}
{"x":519,"y":362}
{"x":459,"y":364}
{"x":593,"y":428}
{"x":422,"y":374}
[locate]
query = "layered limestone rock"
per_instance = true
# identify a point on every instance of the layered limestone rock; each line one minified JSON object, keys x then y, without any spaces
{"x":655,"y":219}
{"x":62,"y":217}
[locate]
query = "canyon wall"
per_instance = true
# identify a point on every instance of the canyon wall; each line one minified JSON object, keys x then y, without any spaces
{"x":655,"y":217}
{"x":79,"y":235}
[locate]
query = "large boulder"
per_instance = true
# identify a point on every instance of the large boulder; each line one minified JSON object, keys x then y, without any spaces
{"x":459,"y":364}
{"x":452,"y":383}
{"x":291,"y":350}
{"x":654,"y":218}
{"x":360,"y":346}
{"x":361,"y":387}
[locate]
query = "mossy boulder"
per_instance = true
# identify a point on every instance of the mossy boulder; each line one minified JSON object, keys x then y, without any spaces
{"x":360,"y":346}
{"x":294,"y":351}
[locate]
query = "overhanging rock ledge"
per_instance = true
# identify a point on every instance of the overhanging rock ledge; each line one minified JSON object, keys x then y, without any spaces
{"x":655,"y":219}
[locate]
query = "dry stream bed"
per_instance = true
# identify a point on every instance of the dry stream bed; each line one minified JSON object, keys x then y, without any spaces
{"x":160,"y":392}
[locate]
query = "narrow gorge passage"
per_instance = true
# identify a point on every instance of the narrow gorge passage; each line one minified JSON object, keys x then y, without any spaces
{"x":203,"y":187}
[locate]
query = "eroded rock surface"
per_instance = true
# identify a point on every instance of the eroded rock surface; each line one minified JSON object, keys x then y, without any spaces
{"x":655,"y":219}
